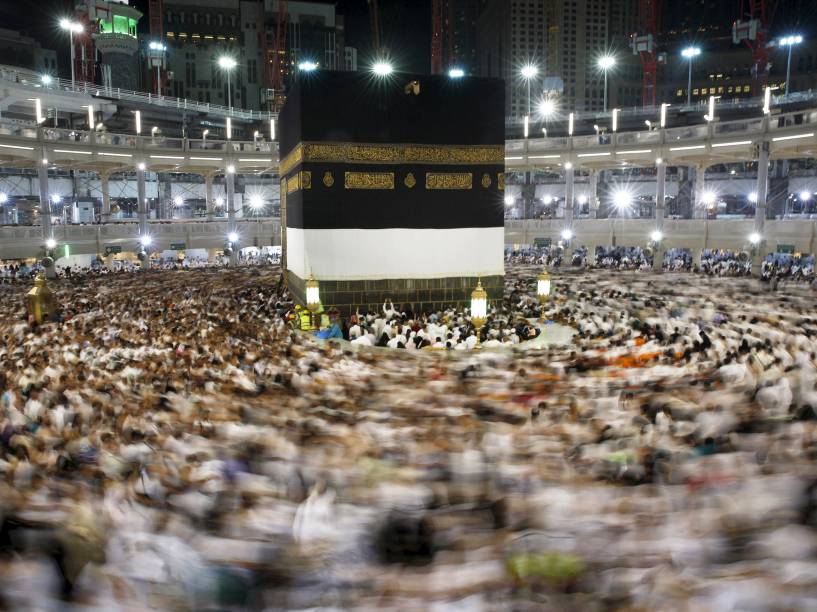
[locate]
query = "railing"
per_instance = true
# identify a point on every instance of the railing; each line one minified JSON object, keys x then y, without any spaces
{"x":724,"y":105}
{"x":31,"y":79}
{"x":67,"y":137}
{"x":747,"y":128}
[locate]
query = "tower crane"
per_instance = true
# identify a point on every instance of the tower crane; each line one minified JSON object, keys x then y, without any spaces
{"x":753,"y":30}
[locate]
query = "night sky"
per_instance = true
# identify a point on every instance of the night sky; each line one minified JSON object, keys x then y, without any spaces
{"x":405,"y":26}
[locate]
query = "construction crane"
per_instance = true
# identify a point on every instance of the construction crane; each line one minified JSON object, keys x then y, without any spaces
{"x":645,"y":45}
{"x":442,"y":26}
{"x":753,"y":29}
{"x":374,"y":16}
{"x":437,"y":8}
{"x":276,"y":51}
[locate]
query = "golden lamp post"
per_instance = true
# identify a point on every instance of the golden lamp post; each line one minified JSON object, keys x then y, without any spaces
{"x":313,"y":300}
{"x":479,"y":308}
{"x":40,"y":301}
{"x":543,"y":286}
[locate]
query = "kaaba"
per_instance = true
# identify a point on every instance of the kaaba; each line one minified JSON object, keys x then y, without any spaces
{"x":391,"y":188}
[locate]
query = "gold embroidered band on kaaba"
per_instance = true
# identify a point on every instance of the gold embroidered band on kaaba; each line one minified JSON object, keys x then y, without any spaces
{"x":369,"y":180}
{"x":349,"y":153}
{"x":299,"y":180}
{"x":449,"y":180}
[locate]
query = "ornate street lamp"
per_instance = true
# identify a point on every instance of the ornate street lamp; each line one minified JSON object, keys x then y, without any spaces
{"x":479,"y":308}
{"x":313,"y":300}
{"x":543,"y":286}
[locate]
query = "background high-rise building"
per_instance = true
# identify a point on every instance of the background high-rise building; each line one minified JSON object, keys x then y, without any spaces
{"x":17,"y":49}
{"x":198,"y":32}
{"x":564,"y":40}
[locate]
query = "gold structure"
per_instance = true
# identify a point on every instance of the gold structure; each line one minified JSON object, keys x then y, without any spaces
{"x":449,"y":180}
{"x":543,"y":285}
{"x":40,"y":301}
{"x":353,"y":153}
{"x":369,"y":180}
{"x":313,"y":300}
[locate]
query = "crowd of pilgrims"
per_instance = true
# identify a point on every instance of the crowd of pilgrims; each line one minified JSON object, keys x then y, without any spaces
{"x":796,"y":268}
{"x":169,"y":442}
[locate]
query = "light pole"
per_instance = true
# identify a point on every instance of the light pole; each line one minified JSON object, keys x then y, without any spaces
{"x":606,"y":62}
{"x":690,"y":53}
{"x":158,"y":57}
{"x":72,"y":27}
{"x":790,"y":41}
{"x":227,"y":64}
{"x":528,"y":73}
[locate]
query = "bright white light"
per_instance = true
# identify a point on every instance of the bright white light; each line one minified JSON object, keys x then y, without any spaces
{"x":606,"y":62}
{"x":307,"y":66}
{"x":664,"y":107}
{"x":46,"y":79}
{"x":753,"y":196}
{"x":382,"y":68}
{"x":708,"y":198}
{"x":50,"y":243}
{"x":272,"y":129}
{"x":232,"y":237}
{"x":509,"y":200}
{"x":548,"y":200}
{"x":690,"y":52}
{"x":767,"y":100}
{"x":570,"y":124}
{"x":157,"y":46}
{"x":56,"y":198}
{"x":804,"y":196}
{"x":788,"y":41}
{"x":230,"y":169}
{"x":256,"y":202}
{"x":615,"y":119}
{"x":529,"y":71}
{"x":582,"y":199}
{"x":547,"y":108}
{"x":226,"y":62}
{"x":656,"y":236}
{"x":138,"y":122}
{"x":568,"y":166}
{"x":141,"y":166}
{"x":754,"y":238}
{"x":73,"y":26}
{"x":567,"y":234}
{"x":229,"y":128}
{"x":658,"y":161}
{"x":527,"y":125}
{"x":3,"y":198}
{"x":622,"y":200}
{"x":219,"y":202}
{"x":178,"y":201}
{"x":146,"y":240}
{"x":456,"y":73}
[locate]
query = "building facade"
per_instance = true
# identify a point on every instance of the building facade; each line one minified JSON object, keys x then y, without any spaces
{"x":198,"y":32}
{"x":564,"y":40}
{"x":22,"y":51}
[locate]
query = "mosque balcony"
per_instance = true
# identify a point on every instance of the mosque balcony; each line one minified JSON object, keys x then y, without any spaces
{"x":24,"y":242}
{"x":114,"y":42}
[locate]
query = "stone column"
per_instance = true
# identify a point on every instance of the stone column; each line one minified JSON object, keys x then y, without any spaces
{"x":660,"y":205}
{"x":232,"y":226}
{"x":142,"y":208}
{"x":760,"y":207}
{"x":569,"y":200}
{"x":208,"y":189}
{"x":698,"y":206}
{"x":45,"y":208}
{"x":593,"y":197}
{"x":104,"y":179}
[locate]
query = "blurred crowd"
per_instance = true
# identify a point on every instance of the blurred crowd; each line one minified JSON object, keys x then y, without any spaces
{"x":168,"y":442}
